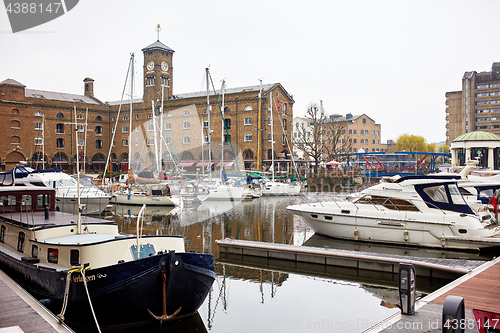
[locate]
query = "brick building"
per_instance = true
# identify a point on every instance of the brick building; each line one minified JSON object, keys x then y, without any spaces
{"x":476,"y":107}
{"x":38,"y":126}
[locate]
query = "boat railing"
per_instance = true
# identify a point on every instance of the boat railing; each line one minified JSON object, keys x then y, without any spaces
{"x":140,"y":218}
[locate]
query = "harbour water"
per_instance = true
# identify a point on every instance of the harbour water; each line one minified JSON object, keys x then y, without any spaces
{"x":251,"y":295}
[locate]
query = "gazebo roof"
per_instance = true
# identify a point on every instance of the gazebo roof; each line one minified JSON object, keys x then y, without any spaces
{"x":478,"y":136}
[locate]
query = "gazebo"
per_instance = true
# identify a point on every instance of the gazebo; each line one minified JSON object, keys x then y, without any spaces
{"x":482,"y":145}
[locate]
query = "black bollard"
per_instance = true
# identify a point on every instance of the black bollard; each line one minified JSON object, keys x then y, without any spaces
{"x":407,"y":288}
{"x":453,"y":315}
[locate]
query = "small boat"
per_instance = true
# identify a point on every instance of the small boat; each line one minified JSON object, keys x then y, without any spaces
{"x":89,"y":272}
{"x":281,"y":188}
{"x":150,"y":195}
{"x":423,"y":211}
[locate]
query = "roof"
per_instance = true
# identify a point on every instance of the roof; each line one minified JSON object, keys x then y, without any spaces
{"x":478,"y":136}
{"x":11,"y":82}
{"x":158,"y":45}
{"x":51,"y":95}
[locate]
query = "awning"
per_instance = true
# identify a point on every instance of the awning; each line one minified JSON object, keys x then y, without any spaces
{"x":332,"y":162}
{"x":204,"y":164}
{"x":186,"y":164}
{"x":226,"y":164}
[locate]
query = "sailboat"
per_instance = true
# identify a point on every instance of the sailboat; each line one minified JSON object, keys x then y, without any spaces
{"x":222,"y":189}
{"x":144,"y":191}
{"x":272,"y":187}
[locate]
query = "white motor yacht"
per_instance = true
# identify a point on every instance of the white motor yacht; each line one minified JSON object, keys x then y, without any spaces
{"x":415,"y":210}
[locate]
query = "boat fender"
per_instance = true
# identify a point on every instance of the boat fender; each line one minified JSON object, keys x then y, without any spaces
{"x":356,"y":234}
{"x":250,"y":186}
{"x":406,"y":235}
{"x":443,"y":240}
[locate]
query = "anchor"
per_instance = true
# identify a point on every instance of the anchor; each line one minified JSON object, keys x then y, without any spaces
{"x":166,"y":290}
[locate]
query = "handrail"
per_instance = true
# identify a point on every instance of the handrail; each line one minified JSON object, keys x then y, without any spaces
{"x":139,"y":216}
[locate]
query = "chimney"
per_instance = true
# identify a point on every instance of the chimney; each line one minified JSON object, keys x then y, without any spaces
{"x":89,"y":86}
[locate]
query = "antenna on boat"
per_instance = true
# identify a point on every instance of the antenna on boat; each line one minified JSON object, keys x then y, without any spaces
{"x":79,"y":220}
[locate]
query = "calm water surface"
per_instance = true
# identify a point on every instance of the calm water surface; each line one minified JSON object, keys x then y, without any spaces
{"x":252,"y":294}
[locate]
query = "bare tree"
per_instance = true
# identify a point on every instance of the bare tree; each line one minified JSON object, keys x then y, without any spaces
{"x":337,"y":145}
{"x":310,"y":135}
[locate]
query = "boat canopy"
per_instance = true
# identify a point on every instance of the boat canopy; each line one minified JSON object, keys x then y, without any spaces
{"x":7,"y":177}
{"x":445,"y":196}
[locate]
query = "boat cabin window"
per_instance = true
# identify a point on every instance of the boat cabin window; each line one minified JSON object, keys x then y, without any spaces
{"x":456,"y":197}
{"x":437,"y":193}
{"x":74,"y":257}
{"x":20,"y":241}
{"x":34,"y":251}
{"x":2,"y":234}
{"x":52,"y":255}
{"x":42,"y":200}
{"x":8,"y":203}
{"x":389,"y":203}
{"x":26,"y":202}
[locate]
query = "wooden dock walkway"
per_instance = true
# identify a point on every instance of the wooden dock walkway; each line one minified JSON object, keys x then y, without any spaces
{"x":426,"y":267}
{"x":480,"y":289}
{"x":20,"y":312}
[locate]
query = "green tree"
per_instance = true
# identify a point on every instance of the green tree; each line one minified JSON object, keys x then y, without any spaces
{"x":408,"y":142}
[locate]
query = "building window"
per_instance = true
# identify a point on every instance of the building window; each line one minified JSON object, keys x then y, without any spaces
{"x":98,"y":130}
{"x":125,"y":129}
{"x":362,"y":141}
{"x":60,"y":115}
{"x":79,"y":128}
{"x":124,"y":118}
{"x":350,"y":131}
{"x":186,"y":140}
{"x":79,"y":117}
{"x":38,"y":126}
{"x":247,"y":121}
{"x":98,"y":144}
{"x":168,"y":126}
{"x":247,"y":108}
{"x":284,"y":140}
{"x":81,"y":142}
{"x":38,"y":141}
{"x":247,"y":137}
{"x":185,"y":113}
{"x":227,"y":123}
{"x":168,"y":114}
{"x":205,"y":123}
{"x":137,"y":129}
{"x":112,"y":118}
{"x":60,"y":143}
{"x":269,"y":137}
{"x":284,"y":124}
{"x":150,"y":81}
{"x":482,"y":94}
{"x":150,"y":128}
{"x":373,"y":141}
{"x":483,"y":86}
{"x":98,"y":118}
{"x":364,"y":120}
{"x":483,"y":103}
{"x":227,"y":109}
{"x":283,"y":109}
{"x":150,"y":116}
{"x":354,"y":132}
{"x":59,"y":128}
{"x":125,"y":143}
{"x":373,"y":132}
{"x":150,"y":142}
{"x":495,"y":102}
{"x":186,"y":125}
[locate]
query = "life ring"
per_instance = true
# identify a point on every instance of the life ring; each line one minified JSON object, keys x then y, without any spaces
{"x":250,"y":186}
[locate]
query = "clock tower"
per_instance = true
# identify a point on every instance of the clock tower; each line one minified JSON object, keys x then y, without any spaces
{"x":158,"y":71}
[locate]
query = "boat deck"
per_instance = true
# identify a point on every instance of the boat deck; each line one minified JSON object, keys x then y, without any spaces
{"x":20,"y":312}
{"x":479,"y":288}
{"x":55,"y":219}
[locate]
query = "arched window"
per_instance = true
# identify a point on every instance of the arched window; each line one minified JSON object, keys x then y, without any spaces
{"x":15,"y":140}
{"x":124,"y":118}
{"x":187,"y":156}
{"x":98,"y":118}
{"x":79,"y":117}
{"x":168,"y":114}
{"x":60,"y":115}
{"x":15,"y":124}
{"x":227,"y":109}
{"x":283,"y":109}
{"x":185,"y":113}
{"x":248,"y":154}
{"x":15,"y":111}
{"x":38,"y":114}
{"x":247,"y":108}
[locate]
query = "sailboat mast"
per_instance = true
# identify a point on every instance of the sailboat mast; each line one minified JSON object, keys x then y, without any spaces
{"x":209,"y":131}
{"x":130,"y":123}
{"x":160,"y":150}
{"x":272,"y":131}
{"x":155,"y":137}
{"x":259,"y":154}
{"x":79,"y":220}
{"x":222,"y":134}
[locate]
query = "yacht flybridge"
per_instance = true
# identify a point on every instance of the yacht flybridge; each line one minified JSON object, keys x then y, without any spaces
{"x":414,"y":210}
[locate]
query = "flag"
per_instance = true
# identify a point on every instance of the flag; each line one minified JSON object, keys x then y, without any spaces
{"x":494,"y":202}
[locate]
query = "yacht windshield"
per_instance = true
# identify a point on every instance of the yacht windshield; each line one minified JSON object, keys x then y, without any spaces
{"x":445,"y":196}
{"x":456,"y":197}
{"x":437,"y":193}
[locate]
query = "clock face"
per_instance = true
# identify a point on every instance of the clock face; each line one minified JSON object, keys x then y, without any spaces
{"x":150,"y":65}
{"x":164,"y":66}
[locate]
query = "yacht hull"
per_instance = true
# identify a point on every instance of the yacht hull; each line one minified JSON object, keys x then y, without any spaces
{"x":93,"y":205}
{"x":277,"y":188}
{"x":402,"y":228}
{"x":123,"y":293}
{"x":139,"y":200}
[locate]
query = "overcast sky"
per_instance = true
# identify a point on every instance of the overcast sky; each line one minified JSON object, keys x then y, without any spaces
{"x":392,"y":60}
